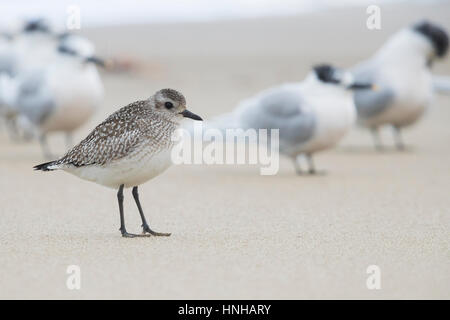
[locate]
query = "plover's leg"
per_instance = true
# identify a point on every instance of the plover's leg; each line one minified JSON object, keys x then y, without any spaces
{"x":398,"y":138}
{"x":312,"y":168}
{"x":122,"y":229}
{"x":376,"y":139}
{"x":297,"y":166}
{"x":146,"y":228}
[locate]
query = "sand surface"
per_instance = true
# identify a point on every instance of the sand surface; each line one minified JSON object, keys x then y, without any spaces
{"x":235,"y":233}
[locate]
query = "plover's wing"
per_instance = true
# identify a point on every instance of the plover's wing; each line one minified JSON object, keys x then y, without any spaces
{"x":370,"y":103}
{"x":34,"y":97}
{"x":111,"y":140}
{"x":282,"y":108}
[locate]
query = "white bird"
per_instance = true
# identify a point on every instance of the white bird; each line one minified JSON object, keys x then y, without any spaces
{"x":30,"y":47}
{"x":61,"y":96}
{"x":6,"y":57}
{"x":311,"y":116}
{"x":7,"y":113}
{"x":401,"y":71}
{"x":130,"y":147}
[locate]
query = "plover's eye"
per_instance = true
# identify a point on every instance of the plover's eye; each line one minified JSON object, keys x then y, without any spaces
{"x":168,"y":105}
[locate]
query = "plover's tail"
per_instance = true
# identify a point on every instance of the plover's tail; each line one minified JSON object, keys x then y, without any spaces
{"x":48,"y":166}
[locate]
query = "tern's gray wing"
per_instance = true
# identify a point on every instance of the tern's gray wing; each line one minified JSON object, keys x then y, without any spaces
{"x":370,"y":103}
{"x":34,"y":98}
{"x":283,"y":109}
{"x":7,"y":64}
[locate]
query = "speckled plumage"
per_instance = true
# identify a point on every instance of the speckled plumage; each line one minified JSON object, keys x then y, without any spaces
{"x":132,"y":127}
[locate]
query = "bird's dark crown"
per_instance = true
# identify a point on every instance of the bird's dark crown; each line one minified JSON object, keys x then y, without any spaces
{"x":325,"y":73}
{"x":36,"y":25}
{"x":173,"y":95}
{"x":435,"y":34}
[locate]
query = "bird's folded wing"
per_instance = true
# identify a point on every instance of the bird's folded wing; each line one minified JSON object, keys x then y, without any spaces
{"x":111,"y":140}
{"x":285,"y":110}
{"x":34,"y":98}
{"x":370,"y":103}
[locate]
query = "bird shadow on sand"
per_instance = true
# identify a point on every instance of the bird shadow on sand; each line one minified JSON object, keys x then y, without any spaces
{"x":303,"y":175}
{"x":355,"y":149}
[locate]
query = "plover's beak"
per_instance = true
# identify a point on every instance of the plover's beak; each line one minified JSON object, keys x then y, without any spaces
{"x":96,"y":60}
{"x":187,"y":114}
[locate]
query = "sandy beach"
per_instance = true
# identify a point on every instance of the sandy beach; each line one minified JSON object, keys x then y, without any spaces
{"x":237,"y":234}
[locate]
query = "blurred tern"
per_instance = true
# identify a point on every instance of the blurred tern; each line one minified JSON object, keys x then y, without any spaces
{"x":401,"y":71}
{"x":312,"y":115}
{"x":31,"y":47}
{"x":61,"y":96}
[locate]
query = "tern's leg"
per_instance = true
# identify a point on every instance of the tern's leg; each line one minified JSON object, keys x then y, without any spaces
{"x":312,"y":168}
{"x":44,"y":146}
{"x":146,"y":228}
{"x":298,"y":168}
{"x":376,"y":139}
{"x":122,"y":229}
{"x":12,"y":129}
{"x":398,"y":138}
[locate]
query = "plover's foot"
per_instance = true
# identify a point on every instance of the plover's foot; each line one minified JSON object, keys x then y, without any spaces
{"x":147,"y":231}
{"x":133,"y":235}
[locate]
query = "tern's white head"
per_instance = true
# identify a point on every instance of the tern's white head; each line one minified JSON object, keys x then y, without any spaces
{"x":78,"y":50}
{"x":36,"y":31}
{"x":424,"y":40}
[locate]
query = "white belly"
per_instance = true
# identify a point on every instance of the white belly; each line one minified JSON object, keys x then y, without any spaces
{"x":131,"y":171}
{"x":69,"y":117}
{"x":76,"y":99}
{"x":413,"y":94}
{"x":333,"y":122}
{"x":401,"y":113}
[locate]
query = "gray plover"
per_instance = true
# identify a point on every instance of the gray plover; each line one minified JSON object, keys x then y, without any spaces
{"x":312,"y":115}
{"x":130,"y":147}
{"x":401,"y":70}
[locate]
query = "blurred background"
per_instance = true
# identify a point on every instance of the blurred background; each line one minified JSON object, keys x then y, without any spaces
{"x":312,"y":238}
{"x":219,"y":54}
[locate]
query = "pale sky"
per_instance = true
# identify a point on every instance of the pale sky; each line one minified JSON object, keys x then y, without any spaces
{"x":107,"y":12}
